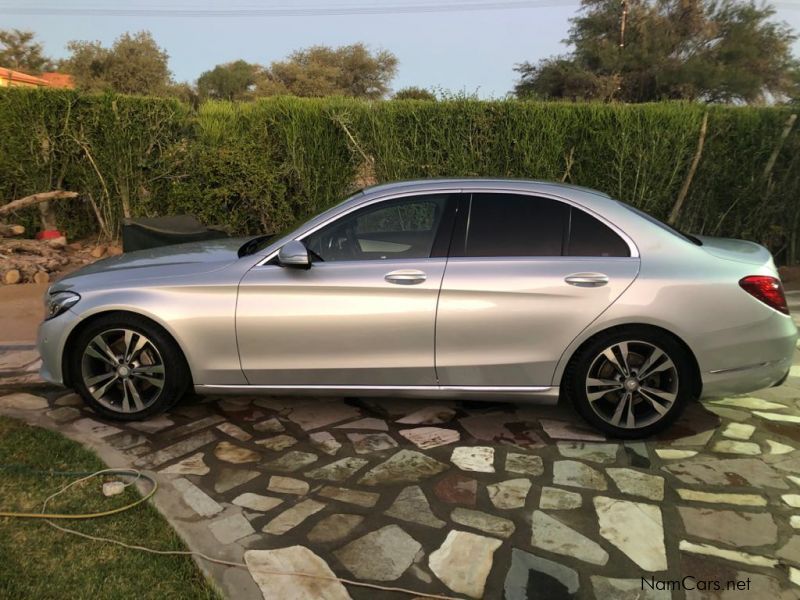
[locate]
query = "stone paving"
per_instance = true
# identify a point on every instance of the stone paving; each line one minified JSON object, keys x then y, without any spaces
{"x":464,"y":499}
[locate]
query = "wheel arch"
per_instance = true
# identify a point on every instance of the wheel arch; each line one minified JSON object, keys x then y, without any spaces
{"x":697,"y":382}
{"x":88,"y":321}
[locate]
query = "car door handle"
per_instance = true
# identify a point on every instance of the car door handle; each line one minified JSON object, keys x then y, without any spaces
{"x":406,"y":277}
{"x":587,"y":279}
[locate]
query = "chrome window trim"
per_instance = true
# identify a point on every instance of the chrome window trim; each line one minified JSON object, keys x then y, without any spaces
{"x":634,"y":250}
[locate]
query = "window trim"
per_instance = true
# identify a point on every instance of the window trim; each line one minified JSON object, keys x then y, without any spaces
{"x":449,"y":208}
{"x":461,"y":229}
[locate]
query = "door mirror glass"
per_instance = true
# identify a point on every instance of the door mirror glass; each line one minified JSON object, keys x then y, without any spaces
{"x":294,"y":254}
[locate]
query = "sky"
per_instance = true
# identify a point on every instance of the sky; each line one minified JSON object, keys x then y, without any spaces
{"x":472,"y":51}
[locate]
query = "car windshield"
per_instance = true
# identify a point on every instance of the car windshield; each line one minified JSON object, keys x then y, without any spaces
{"x":677,"y":232}
{"x":260,"y":242}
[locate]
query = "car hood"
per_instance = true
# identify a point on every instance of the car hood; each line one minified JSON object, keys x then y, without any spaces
{"x":165,"y":261}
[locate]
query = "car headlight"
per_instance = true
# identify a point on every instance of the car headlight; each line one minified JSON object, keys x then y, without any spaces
{"x":57,"y":303}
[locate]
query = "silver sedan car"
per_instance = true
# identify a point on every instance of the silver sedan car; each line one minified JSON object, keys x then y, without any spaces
{"x":460,"y":288}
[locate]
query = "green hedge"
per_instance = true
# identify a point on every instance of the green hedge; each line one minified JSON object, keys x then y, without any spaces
{"x":263,"y":165}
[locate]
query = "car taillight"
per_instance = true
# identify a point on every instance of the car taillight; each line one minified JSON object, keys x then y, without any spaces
{"x":767,"y":289}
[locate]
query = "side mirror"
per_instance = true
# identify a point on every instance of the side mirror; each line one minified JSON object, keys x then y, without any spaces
{"x":294,"y":254}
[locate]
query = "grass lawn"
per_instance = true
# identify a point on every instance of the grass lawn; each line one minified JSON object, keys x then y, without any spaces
{"x":37,"y":561}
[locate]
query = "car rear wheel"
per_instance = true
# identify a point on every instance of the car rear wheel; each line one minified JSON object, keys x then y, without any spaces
{"x":127,"y":368}
{"x":631,"y":383}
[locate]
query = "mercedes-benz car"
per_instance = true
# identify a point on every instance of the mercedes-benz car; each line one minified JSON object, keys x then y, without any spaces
{"x":460,"y":288}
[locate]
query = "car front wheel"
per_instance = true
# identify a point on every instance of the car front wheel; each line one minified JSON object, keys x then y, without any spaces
{"x":630,"y":384}
{"x":127,"y":368}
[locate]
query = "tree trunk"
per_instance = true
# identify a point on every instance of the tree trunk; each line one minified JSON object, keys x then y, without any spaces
{"x":676,"y":209}
{"x":35,"y":199}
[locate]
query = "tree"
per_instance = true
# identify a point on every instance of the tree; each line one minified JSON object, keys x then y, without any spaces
{"x":231,"y":81}
{"x":134,"y":64}
{"x":414,"y":93}
{"x":19,"y":51}
{"x":322,"y":71}
{"x":709,"y":50}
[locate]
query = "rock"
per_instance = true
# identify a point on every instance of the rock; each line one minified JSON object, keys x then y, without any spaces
{"x":182,"y":448}
{"x":196,"y":425}
{"x":670,"y":454}
{"x":292,"y":517}
{"x":455,"y":488}
{"x":196,"y":499}
{"x":69,"y":400}
{"x":277,"y":443}
{"x":22,"y":401}
{"x":235,"y":454}
{"x":234,"y":431}
{"x":98,"y":251}
{"x":594,"y":452}
{"x":321,"y":414}
{"x":739,"y":431}
{"x":12,"y":276}
{"x":524,"y":464}
{"x":552,"y":535}
{"x":382,"y":555}
{"x":338,"y":470}
{"x":367,"y":423}
{"x":153,"y":424}
{"x":734,"y":555}
{"x":790,"y":551}
{"x":735,"y":447}
{"x":256,"y":502}
{"x":575,"y":474}
{"x":325,"y":442}
{"x":557,"y":499}
{"x":722,"y":498}
{"x":41,"y":277}
{"x":482,"y":521}
{"x":430,"y":437}
{"x":626,"y":589}
{"x":751,"y":403}
{"x":535,"y":577}
{"x":63,"y":414}
{"x":412,"y":505}
{"x":697,"y":439}
{"x":291,"y":461}
{"x":287,"y":485}
{"x":366,"y":443}
{"x":474,"y":458}
{"x":229,"y":529}
{"x":637,"y":483}
{"x":271,"y":425}
{"x":778,"y":448}
{"x":405,"y":466}
{"x":127,"y":441}
{"x":228,"y":478}
{"x":493,"y":427}
{"x":794,"y":521}
{"x":561,"y":430}
{"x":365,"y":499}
{"x":334,"y":528}
{"x":235,"y":405}
{"x":509,"y":494}
{"x":792,"y":500}
{"x":777,"y":417}
{"x":192,"y":465}
{"x":114,"y":250}
{"x":463,"y":562}
{"x":635,"y":528}
{"x":738,"y":472}
{"x":730,"y":527}
{"x":267,"y":568}
{"x":429,"y":415}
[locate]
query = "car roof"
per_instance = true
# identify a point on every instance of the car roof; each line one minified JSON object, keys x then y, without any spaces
{"x":532,"y":185}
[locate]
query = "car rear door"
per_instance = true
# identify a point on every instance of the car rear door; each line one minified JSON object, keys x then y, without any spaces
{"x":364,"y":313}
{"x":525,"y":275}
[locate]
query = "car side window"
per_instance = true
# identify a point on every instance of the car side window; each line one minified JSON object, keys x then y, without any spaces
{"x":589,"y":237}
{"x":403,"y":228}
{"x":514,"y":225}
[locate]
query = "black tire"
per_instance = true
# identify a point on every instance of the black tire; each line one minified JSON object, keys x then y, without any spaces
{"x":600,"y":412}
{"x":174,"y":381}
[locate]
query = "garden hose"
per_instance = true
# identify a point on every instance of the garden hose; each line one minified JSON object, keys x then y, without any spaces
{"x":86,"y":475}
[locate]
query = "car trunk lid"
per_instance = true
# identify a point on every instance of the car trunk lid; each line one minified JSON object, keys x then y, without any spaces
{"x":737,"y":250}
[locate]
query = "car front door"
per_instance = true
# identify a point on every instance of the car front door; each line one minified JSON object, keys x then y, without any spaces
{"x":526,"y":274}
{"x":364,"y":313}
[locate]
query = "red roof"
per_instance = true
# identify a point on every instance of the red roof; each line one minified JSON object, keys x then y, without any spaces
{"x":23,"y":78}
{"x":58,"y":80}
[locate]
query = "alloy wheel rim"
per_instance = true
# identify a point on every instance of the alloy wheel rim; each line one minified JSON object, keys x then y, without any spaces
{"x":632,"y":384}
{"x":123,"y":370}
